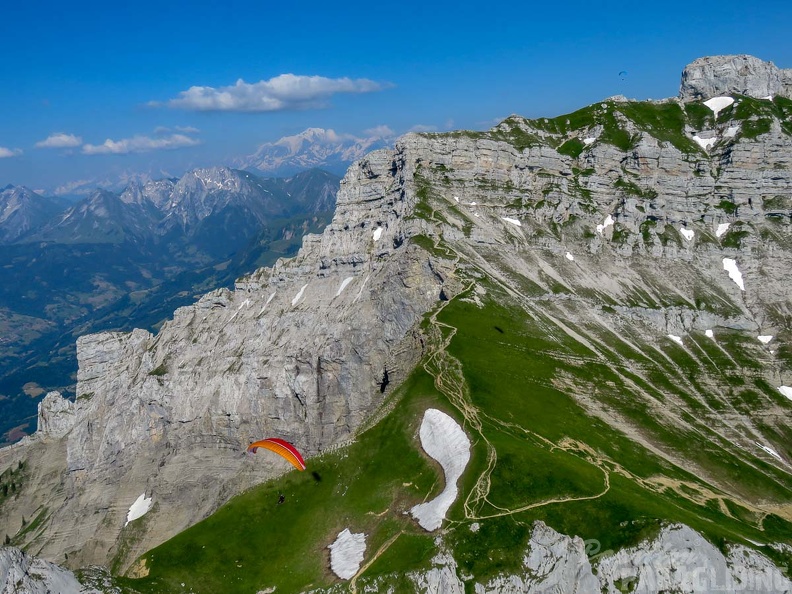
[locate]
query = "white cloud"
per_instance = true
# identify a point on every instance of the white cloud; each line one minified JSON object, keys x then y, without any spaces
{"x":60,"y":140}
{"x":283,"y":92}
{"x":422,"y":128}
{"x":381,"y":131}
{"x":7,"y":152}
{"x":139,"y":144}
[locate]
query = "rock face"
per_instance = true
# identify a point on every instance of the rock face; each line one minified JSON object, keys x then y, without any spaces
{"x":300,"y":351}
{"x":677,"y":560}
{"x":309,"y":349}
{"x":716,"y":76}
{"x":680,"y":560}
{"x":55,"y":416}
{"x":22,"y":574}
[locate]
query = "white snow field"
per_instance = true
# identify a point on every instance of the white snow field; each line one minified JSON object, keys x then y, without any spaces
{"x":786,"y":391}
{"x":377,"y":233}
{"x":687,"y":233}
{"x":299,"y":295}
{"x":765,"y":339}
{"x":730,"y":266}
{"x":445,"y":441}
{"x":710,"y":333}
{"x":722,"y":228}
{"x":716,"y":104}
{"x":346,"y":553}
{"x":512,"y":221}
{"x":139,"y":509}
{"x":344,"y":284}
{"x":569,"y":257}
{"x":704,"y":143}
{"x":605,"y":224}
{"x":676,"y":339}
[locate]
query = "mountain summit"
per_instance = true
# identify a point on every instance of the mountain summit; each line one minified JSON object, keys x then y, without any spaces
{"x":314,"y":147}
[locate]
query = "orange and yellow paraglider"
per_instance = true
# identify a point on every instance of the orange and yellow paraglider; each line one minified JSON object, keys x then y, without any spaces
{"x":281,"y":447}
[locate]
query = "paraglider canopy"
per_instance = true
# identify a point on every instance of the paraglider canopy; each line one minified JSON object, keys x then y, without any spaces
{"x":280,"y":447}
{"x":623,"y":74}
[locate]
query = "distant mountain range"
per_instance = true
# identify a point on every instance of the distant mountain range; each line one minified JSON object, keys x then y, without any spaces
{"x":288,"y":156}
{"x":128,"y":259}
{"x":314,"y":147}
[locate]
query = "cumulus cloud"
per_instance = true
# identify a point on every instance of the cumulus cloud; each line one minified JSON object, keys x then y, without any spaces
{"x":7,"y":152}
{"x":283,"y":92}
{"x":382,"y":131}
{"x":139,"y":144}
{"x":60,"y":140}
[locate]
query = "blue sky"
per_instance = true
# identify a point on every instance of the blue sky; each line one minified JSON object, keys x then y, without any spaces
{"x":103,"y":88}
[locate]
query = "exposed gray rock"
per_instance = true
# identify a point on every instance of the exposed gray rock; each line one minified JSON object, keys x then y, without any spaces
{"x":554,"y":564}
{"x":680,"y":560}
{"x":55,"y":415}
{"x":440,"y":578}
{"x":677,"y":560}
{"x":715,"y":76}
{"x":22,"y":574}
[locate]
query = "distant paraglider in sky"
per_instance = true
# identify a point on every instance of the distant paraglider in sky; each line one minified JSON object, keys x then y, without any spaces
{"x":623,"y":74}
{"x":280,"y":447}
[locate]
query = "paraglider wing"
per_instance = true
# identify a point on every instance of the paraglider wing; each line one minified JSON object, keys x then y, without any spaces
{"x":623,"y":74}
{"x":281,"y":447}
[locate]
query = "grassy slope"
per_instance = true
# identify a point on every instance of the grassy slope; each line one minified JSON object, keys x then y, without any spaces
{"x":547,"y":448}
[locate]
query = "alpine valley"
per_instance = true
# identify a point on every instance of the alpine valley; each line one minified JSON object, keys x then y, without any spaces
{"x":125,"y":260}
{"x":555,"y":356}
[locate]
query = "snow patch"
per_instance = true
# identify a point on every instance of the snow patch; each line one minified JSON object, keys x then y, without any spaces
{"x":710,"y":333}
{"x":456,"y":198}
{"x":512,"y":221}
{"x":770,"y":451}
{"x":765,"y":338}
{"x":445,"y":441}
{"x":786,"y":391}
{"x":722,"y":228}
{"x":569,"y":257}
{"x":138,"y":509}
{"x":716,"y":104}
{"x":730,"y":266}
{"x":687,"y":233}
{"x":299,"y":295}
{"x":731,"y":131}
{"x":346,"y":553}
{"x":588,"y":141}
{"x":377,"y":233}
{"x":605,"y":224}
{"x":472,"y":204}
{"x":676,"y":339}
{"x":344,"y":284}
{"x":704,"y":143}
{"x":768,"y":98}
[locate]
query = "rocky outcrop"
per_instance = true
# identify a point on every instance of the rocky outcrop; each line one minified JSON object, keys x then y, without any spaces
{"x":715,"y":76}
{"x":55,"y":415}
{"x":677,"y":560}
{"x":22,"y":574}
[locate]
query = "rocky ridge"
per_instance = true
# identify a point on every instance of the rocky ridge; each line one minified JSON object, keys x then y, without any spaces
{"x":564,"y":213}
{"x":714,"y":76}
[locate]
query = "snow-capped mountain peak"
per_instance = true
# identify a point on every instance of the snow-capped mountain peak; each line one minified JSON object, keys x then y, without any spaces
{"x":313,"y":147}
